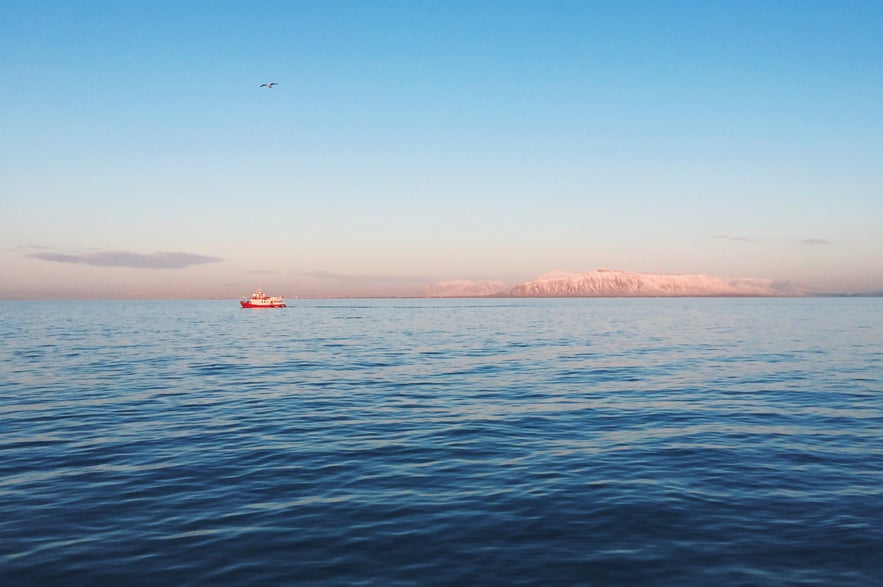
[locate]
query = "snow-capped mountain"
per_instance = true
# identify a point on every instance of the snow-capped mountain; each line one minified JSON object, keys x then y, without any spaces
{"x":614,"y":283}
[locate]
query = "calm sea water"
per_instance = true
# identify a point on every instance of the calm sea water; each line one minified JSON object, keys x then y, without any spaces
{"x":451,"y":442}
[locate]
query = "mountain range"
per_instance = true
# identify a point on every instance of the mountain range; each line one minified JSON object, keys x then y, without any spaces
{"x":615,"y":283}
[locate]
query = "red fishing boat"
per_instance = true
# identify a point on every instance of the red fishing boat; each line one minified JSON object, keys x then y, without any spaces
{"x":261,"y":300}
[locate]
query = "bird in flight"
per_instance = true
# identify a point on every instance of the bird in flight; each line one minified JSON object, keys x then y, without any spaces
{"x":269,"y":85}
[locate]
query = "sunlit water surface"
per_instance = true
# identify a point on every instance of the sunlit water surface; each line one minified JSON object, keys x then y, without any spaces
{"x":454,"y":442}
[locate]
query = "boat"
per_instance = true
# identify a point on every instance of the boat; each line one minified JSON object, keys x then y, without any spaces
{"x":261,"y":300}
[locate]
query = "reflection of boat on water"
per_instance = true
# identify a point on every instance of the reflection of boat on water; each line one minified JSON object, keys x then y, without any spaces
{"x":261,"y":300}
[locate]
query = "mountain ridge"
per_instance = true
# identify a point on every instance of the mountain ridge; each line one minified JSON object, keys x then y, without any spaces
{"x":618,"y":283}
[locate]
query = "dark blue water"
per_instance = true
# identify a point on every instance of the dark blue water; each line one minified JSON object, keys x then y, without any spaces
{"x":452,"y":442}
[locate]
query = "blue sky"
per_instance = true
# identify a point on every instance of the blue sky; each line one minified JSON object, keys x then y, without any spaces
{"x":411,"y":142}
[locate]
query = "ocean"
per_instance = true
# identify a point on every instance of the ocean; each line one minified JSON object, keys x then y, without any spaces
{"x":682,"y":441}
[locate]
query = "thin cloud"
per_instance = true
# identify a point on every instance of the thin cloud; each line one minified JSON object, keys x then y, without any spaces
{"x":749,"y":239}
{"x":29,"y":248}
{"x":173,"y":260}
{"x":734,"y":238}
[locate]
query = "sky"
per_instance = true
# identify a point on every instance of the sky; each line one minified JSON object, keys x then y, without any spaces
{"x":408,"y":143}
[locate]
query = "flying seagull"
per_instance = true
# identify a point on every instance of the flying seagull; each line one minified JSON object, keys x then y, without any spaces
{"x":269,"y":85}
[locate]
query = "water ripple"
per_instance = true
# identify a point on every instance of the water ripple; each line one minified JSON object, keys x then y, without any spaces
{"x":517,"y":442}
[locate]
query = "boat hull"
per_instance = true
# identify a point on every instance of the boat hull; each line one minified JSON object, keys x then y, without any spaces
{"x":252,"y":305}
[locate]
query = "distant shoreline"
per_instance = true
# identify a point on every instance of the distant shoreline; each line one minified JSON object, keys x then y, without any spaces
{"x":487,"y":297}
